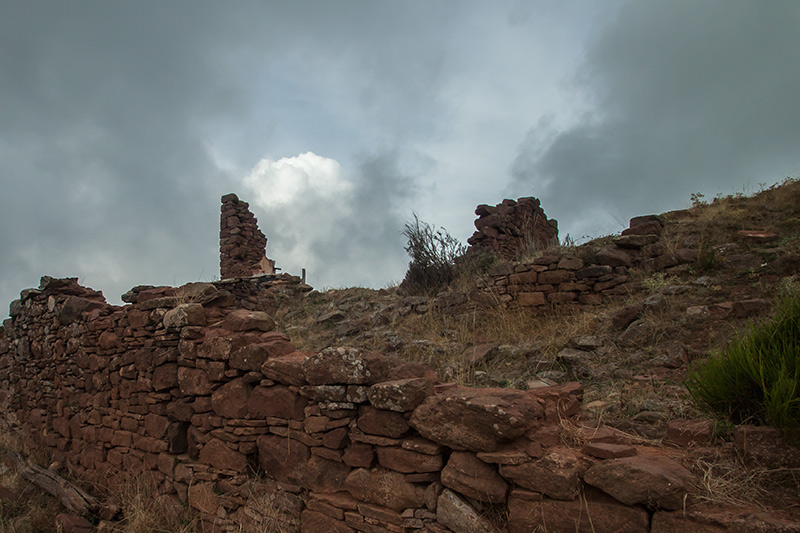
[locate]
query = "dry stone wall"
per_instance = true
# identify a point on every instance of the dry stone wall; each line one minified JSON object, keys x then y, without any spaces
{"x":220,"y":412}
{"x":242,"y":246}
{"x":512,"y":228}
{"x":585,"y":276}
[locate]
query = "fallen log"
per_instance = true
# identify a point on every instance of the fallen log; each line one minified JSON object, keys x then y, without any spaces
{"x":73,"y":498}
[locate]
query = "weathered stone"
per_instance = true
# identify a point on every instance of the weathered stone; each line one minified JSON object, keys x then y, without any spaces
{"x":386,"y":488}
{"x":685,"y":433}
{"x":358,"y":455}
{"x":314,"y":522}
{"x":655,"y":481}
{"x":203,"y":498}
{"x":408,"y":461}
{"x":649,"y":227}
{"x":476,"y":419}
{"x":216,"y":454}
{"x":346,"y":365}
{"x":470,"y":476}
{"x":747,"y":308}
{"x":252,"y":356}
{"x":231,"y":399}
{"x":72,"y":523}
{"x":556,"y":475}
{"x":764,"y":446}
{"x":282,"y":457}
{"x":625,"y":316}
{"x":244,"y":320}
{"x":191,"y":314}
{"x":613,"y":257}
{"x":531,"y":299}
{"x":323,"y":475}
{"x":193,"y":381}
{"x":165,"y":377}
{"x":603,"y":450}
{"x":276,"y":401}
{"x":399,"y":395}
{"x":595,"y":513}
{"x":286,"y":369}
{"x":458,"y":515}
{"x":381,"y":422}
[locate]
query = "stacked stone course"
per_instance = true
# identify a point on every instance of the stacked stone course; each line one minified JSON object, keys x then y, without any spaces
{"x":242,"y":246}
{"x":215,"y":408}
{"x":558,"y":278}
{"x":512,"y":228}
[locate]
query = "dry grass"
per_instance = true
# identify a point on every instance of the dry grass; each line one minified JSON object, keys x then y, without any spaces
{"x":143,"y":511}
{"x":724,"y":479}
{"x":34,"y":511}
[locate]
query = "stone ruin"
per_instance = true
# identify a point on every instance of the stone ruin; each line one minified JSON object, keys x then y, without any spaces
{"x":242,"y":246}
{"x":204,"y":399}
{"x":513,"y":228}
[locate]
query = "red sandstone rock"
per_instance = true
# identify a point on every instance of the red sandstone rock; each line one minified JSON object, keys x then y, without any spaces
{"x":556,"y":475}
{"x":190,"y":314}
{"x":282,"y":457}
{"x":596,"y":513}
{"x":511,"y":227}
{"x":764,"y":446}
{"x":230,"y":400}
{"x":399,"y":395}
{"x":244,"y":320}
{"x":386,"y":488}
{"x":408,"y":461}
{"x":252,"y":356}
{"x":359,"y":455}
{"x":203,"y":498}
{"x":314,"y":522}
{"x":689,"y":432}
{"x":379,"y":422}
{"x":476,"y":419}
{"x":286,"y":369}
{"x":276,"y":401}
{"x":470,"y":476}
{"x":165,"y":377}
{"x":218,"y":455}
{"x":346,"y":365}
{"x":458,"y":515}
{"x":193,"y":381}
{"x":608,"y":451}
{"x":70,"y":523}
{"x":323,"y":475}
{"x":654,"y":481}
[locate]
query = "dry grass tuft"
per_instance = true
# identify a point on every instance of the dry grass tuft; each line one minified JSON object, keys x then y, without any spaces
{"x":143,"y":511}
{"x":725,"y":479}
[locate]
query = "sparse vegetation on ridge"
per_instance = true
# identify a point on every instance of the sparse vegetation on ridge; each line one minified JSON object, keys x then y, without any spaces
{"x":756,"y":378}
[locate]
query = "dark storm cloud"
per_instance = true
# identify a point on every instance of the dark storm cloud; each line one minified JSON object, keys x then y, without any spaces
{"x":103,"y":169}
{"x":112,"y":116}
{"x":683,"y":96}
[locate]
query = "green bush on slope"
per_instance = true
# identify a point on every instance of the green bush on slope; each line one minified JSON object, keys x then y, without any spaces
{"x":756,"y":378}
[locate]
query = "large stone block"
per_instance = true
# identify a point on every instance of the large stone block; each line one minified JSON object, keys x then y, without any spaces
{"x":595,"y":513}
{"x":655,"y":481}
{"x":476,"y":419}
{"x":470,"y":476}
{"x":389,"y":489}
{"x":230,"y":400}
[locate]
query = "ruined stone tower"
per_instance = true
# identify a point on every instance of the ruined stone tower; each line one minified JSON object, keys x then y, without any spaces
{"x":242,"y":246}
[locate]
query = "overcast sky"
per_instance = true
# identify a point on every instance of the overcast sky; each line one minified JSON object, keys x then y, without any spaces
{"x":122,"y":124}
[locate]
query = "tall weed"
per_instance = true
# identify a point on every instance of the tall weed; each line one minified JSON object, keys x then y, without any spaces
{"x":756,"y":378}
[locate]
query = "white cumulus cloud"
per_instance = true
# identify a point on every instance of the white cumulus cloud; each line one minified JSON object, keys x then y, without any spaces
{"x":287,"y":180}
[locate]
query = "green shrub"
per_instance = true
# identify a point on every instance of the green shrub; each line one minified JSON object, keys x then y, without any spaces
{"x":434,"y":253}
{"x":756,"y":378}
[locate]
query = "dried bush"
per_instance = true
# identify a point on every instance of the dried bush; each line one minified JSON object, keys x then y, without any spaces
{"x":434,"y":255}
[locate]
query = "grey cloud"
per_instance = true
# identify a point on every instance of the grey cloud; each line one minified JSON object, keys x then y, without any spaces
{"x":360,"y":243}
{"x":685,"y":97}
